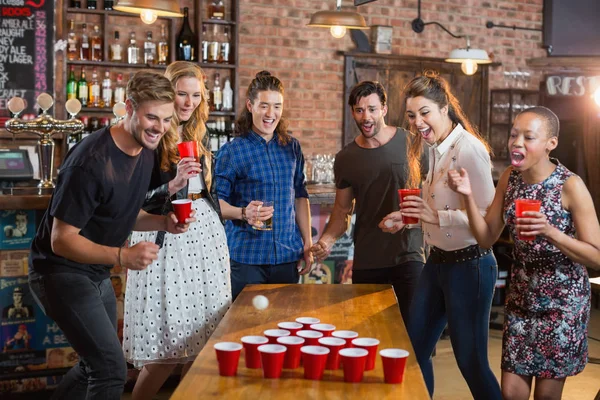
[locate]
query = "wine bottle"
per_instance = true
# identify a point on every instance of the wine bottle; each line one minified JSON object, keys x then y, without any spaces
{"x":186,"y":40}
{"x":72,"y":85}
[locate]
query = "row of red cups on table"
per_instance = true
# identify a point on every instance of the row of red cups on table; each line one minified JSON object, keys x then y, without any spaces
{"x":321,"y":348}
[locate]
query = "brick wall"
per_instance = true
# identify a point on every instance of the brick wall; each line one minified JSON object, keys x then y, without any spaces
{"x":273,"y":36}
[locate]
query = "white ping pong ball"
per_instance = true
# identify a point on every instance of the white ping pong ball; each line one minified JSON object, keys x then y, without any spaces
{"x":388,"y":223}
{"x":260,"y":302}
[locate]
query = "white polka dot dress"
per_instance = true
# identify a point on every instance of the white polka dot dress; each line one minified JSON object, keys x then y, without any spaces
{"x":173,"y":306}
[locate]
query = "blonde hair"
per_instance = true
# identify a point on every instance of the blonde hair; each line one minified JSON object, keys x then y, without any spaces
{"x":193,"y":129}
{"x":149,"y":86}
{"x":435,"y":88}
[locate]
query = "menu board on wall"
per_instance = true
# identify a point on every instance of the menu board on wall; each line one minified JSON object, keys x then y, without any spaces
{"x":26,"y":52}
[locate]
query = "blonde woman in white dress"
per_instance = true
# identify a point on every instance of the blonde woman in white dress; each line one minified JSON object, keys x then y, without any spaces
{"x":173,"y":306}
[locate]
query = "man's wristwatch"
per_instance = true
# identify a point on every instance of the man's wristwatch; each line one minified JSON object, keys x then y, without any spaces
{"x":244,"y":218}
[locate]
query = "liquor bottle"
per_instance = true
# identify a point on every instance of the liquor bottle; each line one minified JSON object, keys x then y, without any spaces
{"x":133,"y":51}
{"x":72,"y":85}
{"x":163,"y":47}
{"x":207,"y":93}
{"x":106,"y":90}
{"x":119,"y":94}
{"x":213,"y":45}
{"x":76,"y":3}
{"x":116,"y":50}
{"x":84,"y":49}
{"x":224,"y":53}
{"x":204,"y":44}
{"x":91,"y":4}
{"x":82,"y":89}
{"x":72,"y":51}
{"x":213,"y":135}
{"x":217,"y":94}
{"x":94,"y":90}
{"x":149,"y":49}
{"x":227,"y":96}
{"x":97,"y":54}
{"x":108,"y":4}
{"x":216,"y":9}
{"x":186,"y":40}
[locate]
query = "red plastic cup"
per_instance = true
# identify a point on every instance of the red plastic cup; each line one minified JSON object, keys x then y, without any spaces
{"x":271,"y":357}
{"x":251,"y":344}
{"x":293,"y":327}
{"x":354,"y":361}
{"x":334,"y":345}
{"x":311,"y":337}
{"x":347,"y":336}
{"x":325,"y":329}
{"x":314,"y":358}
{"x":523,"y":205}
{"x":292,"y":355}
{"x":307,"y":321}
{"x":188,"y":149}
{"x":402,"y":193}
{"x":182,"y":209}
{"x":369,"y":344}
{"x":394,"y":363}
{"x":228,"y":356}
{"x":273,"y":334}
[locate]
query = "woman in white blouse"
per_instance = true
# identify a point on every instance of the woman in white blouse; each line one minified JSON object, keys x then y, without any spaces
{"x":457,"y":283}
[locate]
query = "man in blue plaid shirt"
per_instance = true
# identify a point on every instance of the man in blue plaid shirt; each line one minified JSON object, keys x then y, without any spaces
{"x":264,"y":164}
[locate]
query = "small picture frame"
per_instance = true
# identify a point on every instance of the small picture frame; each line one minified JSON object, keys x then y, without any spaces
{"x":381,"y":37}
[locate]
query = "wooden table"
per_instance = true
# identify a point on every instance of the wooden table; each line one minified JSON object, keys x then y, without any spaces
{"x":370,"y":310}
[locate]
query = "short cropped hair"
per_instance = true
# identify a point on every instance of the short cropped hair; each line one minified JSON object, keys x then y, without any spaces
{"x":550,"y":119}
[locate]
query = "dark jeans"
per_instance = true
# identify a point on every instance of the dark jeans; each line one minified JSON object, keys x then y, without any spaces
{"x":403,"y":277}
{"x":86,"y":311}
{"x":243,"y":274}
{"x":460,"y":295}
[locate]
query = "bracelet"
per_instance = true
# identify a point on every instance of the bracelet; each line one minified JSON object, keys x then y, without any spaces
{"x":120,"y":248}
{"x":244,"y":218}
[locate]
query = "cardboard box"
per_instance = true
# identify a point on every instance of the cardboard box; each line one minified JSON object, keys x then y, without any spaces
{"x":381,"y":37}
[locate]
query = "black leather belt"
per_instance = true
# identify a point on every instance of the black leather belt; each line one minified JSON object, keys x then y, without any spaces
{"x":440,"y":256}
{"x":195,"y":196}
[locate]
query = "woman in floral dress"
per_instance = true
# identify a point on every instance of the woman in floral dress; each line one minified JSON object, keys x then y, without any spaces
{"x":548,"y":306}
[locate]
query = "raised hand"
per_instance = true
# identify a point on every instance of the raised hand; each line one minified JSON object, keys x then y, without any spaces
{"x":459,"y":181}
{"x":257,"y":214}
{"x":186,"y":168}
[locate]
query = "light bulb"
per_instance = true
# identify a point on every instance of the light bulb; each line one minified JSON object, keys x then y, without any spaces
{"x":148,"y":16}
{"x":468,"y":67}
{"x":337,"y":32}
{"x":596,"y":96}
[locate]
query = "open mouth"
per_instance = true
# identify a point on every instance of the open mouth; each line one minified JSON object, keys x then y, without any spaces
{"x":368,"y":127}
{"x":427,"y":133}
{"x":268,"y":122}
{"x":153,"y":137}
{"x":517,"y":158}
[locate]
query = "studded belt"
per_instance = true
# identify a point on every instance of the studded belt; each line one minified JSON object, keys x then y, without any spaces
{"x":440,"y":256}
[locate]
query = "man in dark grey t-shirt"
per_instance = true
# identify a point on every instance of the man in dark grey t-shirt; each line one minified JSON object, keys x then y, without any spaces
{"x":369,"y":172}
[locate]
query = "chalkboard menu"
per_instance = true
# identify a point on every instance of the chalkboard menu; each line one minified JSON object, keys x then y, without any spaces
{"x":26,"y":52}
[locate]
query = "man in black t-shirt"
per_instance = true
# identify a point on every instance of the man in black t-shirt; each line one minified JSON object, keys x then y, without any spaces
{"x":97,"y":202}
{"x":369,"y":171}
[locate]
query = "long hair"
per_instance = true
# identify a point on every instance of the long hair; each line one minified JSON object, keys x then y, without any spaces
{"x":193,"y":129}
{"x":435,"y":88}
{"x":263,"y":81}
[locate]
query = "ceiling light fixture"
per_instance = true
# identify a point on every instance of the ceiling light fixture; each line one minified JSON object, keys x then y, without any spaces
{"x":338,"y":21}
{"x":150,"y":10}
{"x":468,"y":57}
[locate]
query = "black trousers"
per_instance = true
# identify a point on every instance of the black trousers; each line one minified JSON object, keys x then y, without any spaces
{"x":86,"y":312}
{"x":403,"y":277}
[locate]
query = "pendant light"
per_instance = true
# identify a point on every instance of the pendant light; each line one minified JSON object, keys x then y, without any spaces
{"x":338,"y":21}
{"x":150,"y":10}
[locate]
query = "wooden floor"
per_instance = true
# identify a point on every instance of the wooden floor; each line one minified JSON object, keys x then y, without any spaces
{"x":451,"y":386}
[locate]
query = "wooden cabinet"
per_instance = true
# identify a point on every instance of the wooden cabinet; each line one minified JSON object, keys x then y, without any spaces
{"x":394,"y":72}
{"x":505,"y":105}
